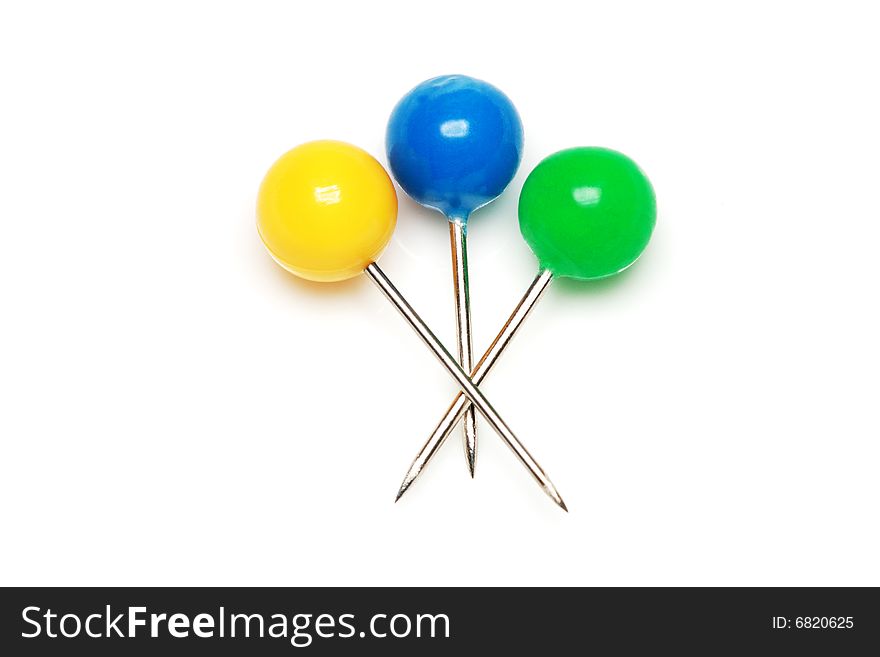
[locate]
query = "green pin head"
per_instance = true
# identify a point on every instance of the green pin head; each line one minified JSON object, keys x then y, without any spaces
{"x":587,"y":213}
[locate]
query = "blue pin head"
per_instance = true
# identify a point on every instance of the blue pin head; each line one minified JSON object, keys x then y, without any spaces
{"x":454,"y":143}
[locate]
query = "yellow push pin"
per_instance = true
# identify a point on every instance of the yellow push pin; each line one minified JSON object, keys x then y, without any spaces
{"x":325,"y":211}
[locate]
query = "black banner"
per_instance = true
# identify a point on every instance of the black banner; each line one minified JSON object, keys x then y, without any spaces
{"x":325,"y":621}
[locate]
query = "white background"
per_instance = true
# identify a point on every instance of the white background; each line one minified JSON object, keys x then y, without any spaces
{"x":178,"y":410}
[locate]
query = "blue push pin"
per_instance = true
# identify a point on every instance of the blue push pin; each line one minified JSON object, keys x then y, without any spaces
{"x":454,"y":143}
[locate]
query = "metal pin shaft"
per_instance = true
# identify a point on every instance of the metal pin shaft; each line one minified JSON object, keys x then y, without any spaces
{"x":460,"y":404}
{"x":458,"y":244}
{"x":467,"y":386}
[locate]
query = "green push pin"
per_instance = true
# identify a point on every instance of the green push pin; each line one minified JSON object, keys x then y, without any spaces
{"x":586,"y":213}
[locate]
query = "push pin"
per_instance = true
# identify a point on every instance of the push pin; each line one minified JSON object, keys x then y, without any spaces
{"x":587,"y":214}
{"x":325,"y":211}
{"x":454,"y":144}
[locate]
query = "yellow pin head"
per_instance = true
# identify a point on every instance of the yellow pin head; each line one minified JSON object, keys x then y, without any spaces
{"x":326,"y":210}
